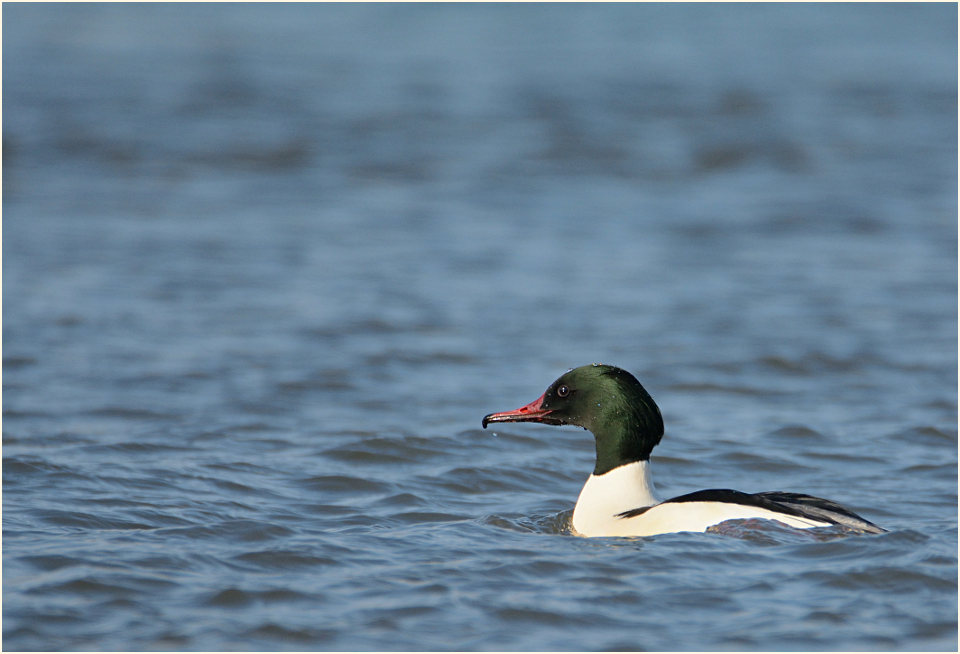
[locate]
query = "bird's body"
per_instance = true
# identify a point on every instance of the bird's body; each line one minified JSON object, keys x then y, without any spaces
{"x":618,"y":499}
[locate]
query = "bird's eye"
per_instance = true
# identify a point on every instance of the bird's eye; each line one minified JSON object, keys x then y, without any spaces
{"x":563,"y":391}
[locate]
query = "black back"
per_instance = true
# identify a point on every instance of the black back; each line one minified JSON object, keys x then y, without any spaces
{"x":795,"y":504}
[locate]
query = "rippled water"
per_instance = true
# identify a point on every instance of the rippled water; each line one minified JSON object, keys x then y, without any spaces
{"x":267,"y":267}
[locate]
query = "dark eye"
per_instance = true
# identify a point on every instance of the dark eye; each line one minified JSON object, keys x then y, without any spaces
{"x":563,"y":391}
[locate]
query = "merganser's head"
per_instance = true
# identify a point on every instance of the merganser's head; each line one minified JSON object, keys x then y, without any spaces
{"x":605,"y":400}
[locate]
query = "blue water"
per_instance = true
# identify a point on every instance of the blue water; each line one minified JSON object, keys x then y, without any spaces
{"x":266,"y":267}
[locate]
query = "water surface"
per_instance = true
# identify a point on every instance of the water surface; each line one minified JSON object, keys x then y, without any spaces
{"x":267,"y":267}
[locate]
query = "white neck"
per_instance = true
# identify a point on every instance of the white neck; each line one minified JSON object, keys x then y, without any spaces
{"x":604,"y":496}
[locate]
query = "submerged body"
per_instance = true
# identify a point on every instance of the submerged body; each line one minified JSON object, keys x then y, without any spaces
{"x":622,"y":503}
{"x":618,"y":499}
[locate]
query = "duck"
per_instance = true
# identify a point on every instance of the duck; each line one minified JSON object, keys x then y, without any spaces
{"x":619,"y":499}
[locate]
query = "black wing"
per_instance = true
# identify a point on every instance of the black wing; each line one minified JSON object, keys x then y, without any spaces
{"x":795,"y":504}
{"x":821,"y":509}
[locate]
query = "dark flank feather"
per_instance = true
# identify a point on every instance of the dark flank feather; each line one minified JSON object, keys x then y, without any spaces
{"x":795,"y":504}
{"x":819,"y":508}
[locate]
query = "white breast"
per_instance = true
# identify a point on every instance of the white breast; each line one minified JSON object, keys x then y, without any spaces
{"x":604,"y":496}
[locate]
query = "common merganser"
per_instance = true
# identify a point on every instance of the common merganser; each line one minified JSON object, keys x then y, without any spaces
{"x":618,"y":498}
